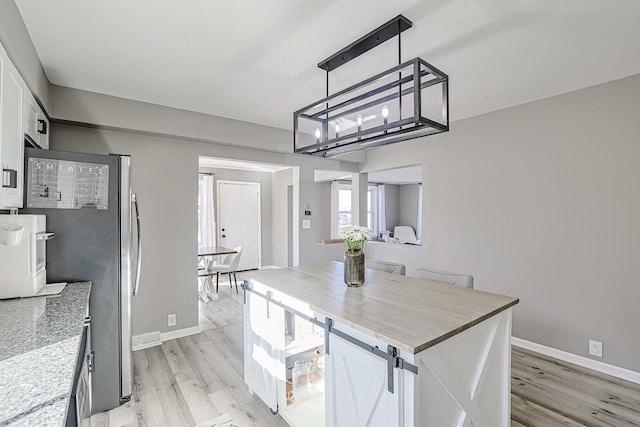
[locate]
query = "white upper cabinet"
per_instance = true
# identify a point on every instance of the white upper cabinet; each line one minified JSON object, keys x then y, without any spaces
{"x":36,"y":124}
{"x":20,"y":117}
{"x":12,"y":96}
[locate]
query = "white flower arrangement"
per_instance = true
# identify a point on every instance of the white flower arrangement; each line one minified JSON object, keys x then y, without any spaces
{"x":355,"y":236}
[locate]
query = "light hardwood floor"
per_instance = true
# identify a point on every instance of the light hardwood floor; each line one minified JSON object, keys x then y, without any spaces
{"x":198,"y":380}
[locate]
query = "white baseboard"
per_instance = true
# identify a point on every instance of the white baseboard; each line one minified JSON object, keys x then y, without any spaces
{"x":152,"y":339}
{"x":269,"y":267}
{"x":179,"y":333}
{"x":585,"y":362}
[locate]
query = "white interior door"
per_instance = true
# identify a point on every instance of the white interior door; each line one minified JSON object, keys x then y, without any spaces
{"x":239,"y":220}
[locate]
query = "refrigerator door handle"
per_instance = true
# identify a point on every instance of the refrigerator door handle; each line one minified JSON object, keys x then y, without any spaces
{"x":134,"y":200}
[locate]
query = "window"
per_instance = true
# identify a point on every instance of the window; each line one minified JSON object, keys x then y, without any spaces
{"x":344,"y":208}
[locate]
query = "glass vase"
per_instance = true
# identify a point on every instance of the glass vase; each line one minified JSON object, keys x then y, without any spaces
{"x":354,"y":267}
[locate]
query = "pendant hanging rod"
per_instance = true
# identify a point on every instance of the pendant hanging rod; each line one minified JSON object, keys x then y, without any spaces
{"x":367,"y":42}
{"x":400,"y":73}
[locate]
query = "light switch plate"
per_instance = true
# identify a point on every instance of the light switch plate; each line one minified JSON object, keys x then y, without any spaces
{"x":306,"y":223}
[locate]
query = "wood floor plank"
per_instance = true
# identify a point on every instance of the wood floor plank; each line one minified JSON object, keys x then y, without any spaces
{"x":615,"y":419}
{"x":567,"y":366}
{"x":532,"y":415}
{"x":630,"y":385}
{"x":230,"y":342}
{"x":260,"y":415}
{"x":221,"y":315}
{"x":579,"y":377}
{"x":581,"y":389}
{"x":123,"y":415}
{"x":145,"y":396}
{"x":540,"y":397}
{"x":200,"y":407}
{"x":174,"y":407}
{"x":225,"y":403}
{"x":235,"y":382}
{"x":202,"y":369}
{"x":224,"y":420}
{"x":100,"y":420}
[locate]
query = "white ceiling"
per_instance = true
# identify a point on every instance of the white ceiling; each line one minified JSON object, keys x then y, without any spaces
{"x":257,"y":60}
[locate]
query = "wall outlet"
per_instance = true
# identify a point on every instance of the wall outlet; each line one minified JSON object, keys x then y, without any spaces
{"x":595,"y":348}
{"x":171,"y":320}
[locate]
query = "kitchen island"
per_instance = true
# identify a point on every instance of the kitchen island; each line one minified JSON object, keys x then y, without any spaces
{"x":40,"y":339}
{"x":398,"y":351}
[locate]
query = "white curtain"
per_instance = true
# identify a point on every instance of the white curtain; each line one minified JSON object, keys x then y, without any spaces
{"x":382,"y":216}
{"x":335,"y":210}
{"x":419,"y":223}
{"x":208,"y":225}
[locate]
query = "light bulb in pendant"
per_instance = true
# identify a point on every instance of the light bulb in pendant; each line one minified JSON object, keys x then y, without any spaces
{"x":317,"y":134}
{"x":359,"y":119}
{"x":337,"y":128}
{"x":385,"y":114}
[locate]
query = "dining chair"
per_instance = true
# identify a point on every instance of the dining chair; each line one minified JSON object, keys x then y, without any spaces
{"x":389,"y":267}
{"x":229,"y":265}
{"x":460,"y":280}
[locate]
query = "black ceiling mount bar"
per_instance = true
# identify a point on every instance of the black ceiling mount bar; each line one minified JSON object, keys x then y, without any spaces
{"x":376,"y":37}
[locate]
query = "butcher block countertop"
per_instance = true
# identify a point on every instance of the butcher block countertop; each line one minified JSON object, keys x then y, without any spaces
{"x":409,"y":313}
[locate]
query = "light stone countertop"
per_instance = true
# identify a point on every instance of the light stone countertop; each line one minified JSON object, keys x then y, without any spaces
{"x":409,"y":313}
{"x":39,"y":344}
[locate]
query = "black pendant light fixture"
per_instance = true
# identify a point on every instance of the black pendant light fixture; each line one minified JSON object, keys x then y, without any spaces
{"x":398,"y":104}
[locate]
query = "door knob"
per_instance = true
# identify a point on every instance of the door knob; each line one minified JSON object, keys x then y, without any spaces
{"x":223,"y":229}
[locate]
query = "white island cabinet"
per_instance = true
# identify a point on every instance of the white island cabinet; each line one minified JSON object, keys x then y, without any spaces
{"x":398,"y":351}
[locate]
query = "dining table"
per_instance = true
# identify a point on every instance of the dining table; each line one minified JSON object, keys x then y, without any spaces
{"x":205,"y":273}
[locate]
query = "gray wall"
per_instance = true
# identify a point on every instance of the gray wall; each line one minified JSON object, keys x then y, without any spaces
{"x":321,"y":211}
{"x":17,"y":42}
{"x":392,"y":206}
{"x":110,"y":112}
{"x":282,"y":212}
{"x":408,"y":205}
{"x":164,"y":175}
{"x":264,"y":178}
{"x":540,"y":202}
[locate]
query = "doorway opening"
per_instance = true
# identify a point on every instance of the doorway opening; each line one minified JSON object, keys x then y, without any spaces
{"x":240,"y":204}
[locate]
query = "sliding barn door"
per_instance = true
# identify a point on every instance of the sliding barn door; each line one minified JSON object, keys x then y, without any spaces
{"x":263,"y":349}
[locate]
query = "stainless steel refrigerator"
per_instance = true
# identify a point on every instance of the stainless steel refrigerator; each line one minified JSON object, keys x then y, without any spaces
{"x":89,"y":205}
